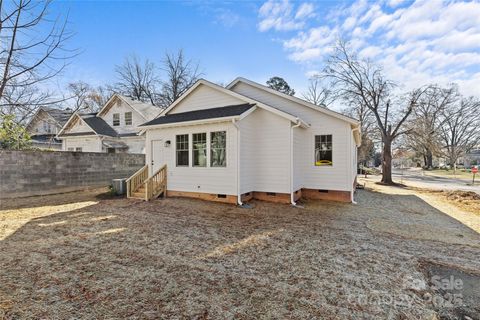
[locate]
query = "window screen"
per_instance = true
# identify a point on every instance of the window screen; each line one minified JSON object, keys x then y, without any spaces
{"x":128,"y":118}
{"x":323,"y":150}
{"x":182,"y":150}
{"x":199,"y":147}
{"x":116,"y":119}
{"x":218,"y":149}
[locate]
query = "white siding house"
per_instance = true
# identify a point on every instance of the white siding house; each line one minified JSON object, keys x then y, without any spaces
{"x":112,"y":129}
{"x":44,"y":126}
{"x":278,"y":148}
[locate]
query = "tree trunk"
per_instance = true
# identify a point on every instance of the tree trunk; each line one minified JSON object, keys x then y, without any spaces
{"x":387,"y":161}
{"x":429,"y":158}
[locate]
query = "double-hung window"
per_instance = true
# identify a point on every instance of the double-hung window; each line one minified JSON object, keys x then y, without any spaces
{"x":182,"y":150}
{"x":323,"y":150}
{"x":199,"y":148}
{"x":116,"y":119}
{"x":218,"y":149}
{"x":128,"y":118}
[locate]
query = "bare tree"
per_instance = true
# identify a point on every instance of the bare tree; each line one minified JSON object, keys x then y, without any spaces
{"x":317,"y":94}
{"x":84,"y":98}
{"x":358,"y":110}
{"x":460,"y":129}
{"x":181,"y":74}
{"x":137,"y":79}
{"x":424,"y":135}
{"x":32,"y":51}
{"x":363,"y":82}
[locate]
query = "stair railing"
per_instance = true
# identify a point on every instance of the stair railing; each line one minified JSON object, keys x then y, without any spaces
{"x":136,"y":180}
{"x":156,"y":184}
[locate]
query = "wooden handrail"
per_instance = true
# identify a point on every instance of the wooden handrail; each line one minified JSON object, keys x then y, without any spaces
{"x":136,"y":180}
{"x":156,"y":184}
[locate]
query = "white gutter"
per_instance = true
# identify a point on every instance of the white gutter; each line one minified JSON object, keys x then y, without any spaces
{"x":292,"y":196}
{"x":355,"y":158}
{"x":239,"y":196}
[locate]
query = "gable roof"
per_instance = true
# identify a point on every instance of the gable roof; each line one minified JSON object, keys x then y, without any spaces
{"x":60,"y":116}
{"x":294,"y":99}
{"x":99,"y":126}
{"x":146,"y":110}
{"x":248,"y":100}
{"x":204,"y":114}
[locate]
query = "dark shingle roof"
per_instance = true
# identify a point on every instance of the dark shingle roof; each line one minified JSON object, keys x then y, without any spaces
{"x":61,"y":116}
{"x":100,"y":126}
{"x":221,"y":112}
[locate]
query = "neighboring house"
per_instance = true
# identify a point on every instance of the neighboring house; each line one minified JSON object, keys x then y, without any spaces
{"x":44,"y":126}
{"x":249,"y":141}
{"x":112,"y":129}
{"x":472,"y":158}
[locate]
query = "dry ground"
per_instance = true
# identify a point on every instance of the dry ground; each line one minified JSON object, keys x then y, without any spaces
{"x":80,"y":256}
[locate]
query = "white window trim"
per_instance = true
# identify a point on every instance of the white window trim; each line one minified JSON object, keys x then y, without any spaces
{"x":113,"y":120}
{"x":189,"y":151}
{"x":125,"y":118}
{"x":313,"y":153}
{"x":226,"y":149}
{"x":208,"y":149}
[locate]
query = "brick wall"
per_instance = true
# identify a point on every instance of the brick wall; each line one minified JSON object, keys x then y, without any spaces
{"x":28,"y":173}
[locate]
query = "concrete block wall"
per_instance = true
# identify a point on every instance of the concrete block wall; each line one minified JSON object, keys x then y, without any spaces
{"x":29,"y":173}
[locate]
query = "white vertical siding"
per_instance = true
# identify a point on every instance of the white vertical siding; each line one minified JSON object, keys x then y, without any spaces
{"x":204,"y":97}
{"x":194,"y":179}
{"x":265,"y":153}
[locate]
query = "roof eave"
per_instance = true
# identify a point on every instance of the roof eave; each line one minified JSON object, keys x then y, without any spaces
{"x":292,"y":98}
{"x":187,"y":123}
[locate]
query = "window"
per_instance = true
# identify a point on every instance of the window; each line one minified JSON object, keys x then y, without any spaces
{"x":182,"y":150}
{"x":78,"y":149}
{"x":128,"y":118}
{"x":323,"y":150}
{"x":70,"y":149}
{"x":116,"y":119}
{"x":199,"y":147}
{"x":46,"y":127}
{"x":218,"y":149}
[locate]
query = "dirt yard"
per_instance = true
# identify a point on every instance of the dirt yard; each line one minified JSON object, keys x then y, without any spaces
{"x":398,"y":254}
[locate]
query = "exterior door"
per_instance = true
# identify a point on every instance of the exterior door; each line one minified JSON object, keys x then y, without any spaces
{"x":158,"y":155}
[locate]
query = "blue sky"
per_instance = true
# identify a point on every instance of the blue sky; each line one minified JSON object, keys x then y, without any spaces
{"x":417,"y":42}
{"x":222,"y":37}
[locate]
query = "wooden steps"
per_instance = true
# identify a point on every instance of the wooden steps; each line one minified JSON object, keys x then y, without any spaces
{"x":140,"y":186}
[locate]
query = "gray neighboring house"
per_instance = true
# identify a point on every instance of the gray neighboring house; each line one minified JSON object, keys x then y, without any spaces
{"x":45,"y":125}
{"x":472,"y":158}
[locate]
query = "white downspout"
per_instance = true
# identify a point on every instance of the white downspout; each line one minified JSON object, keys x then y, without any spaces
{"x":355,"y":162}
{"x":239,"y":196}
{"x":292,"y":196}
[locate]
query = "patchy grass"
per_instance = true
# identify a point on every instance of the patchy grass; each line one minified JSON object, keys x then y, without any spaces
{"x":462,"y":174}
{"x":82,"y":256}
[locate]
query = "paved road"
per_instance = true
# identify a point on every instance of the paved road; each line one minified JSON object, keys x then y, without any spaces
{"x":415,"y":178}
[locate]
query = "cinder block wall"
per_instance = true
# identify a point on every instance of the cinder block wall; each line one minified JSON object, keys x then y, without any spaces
{"x":28,"y":173}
